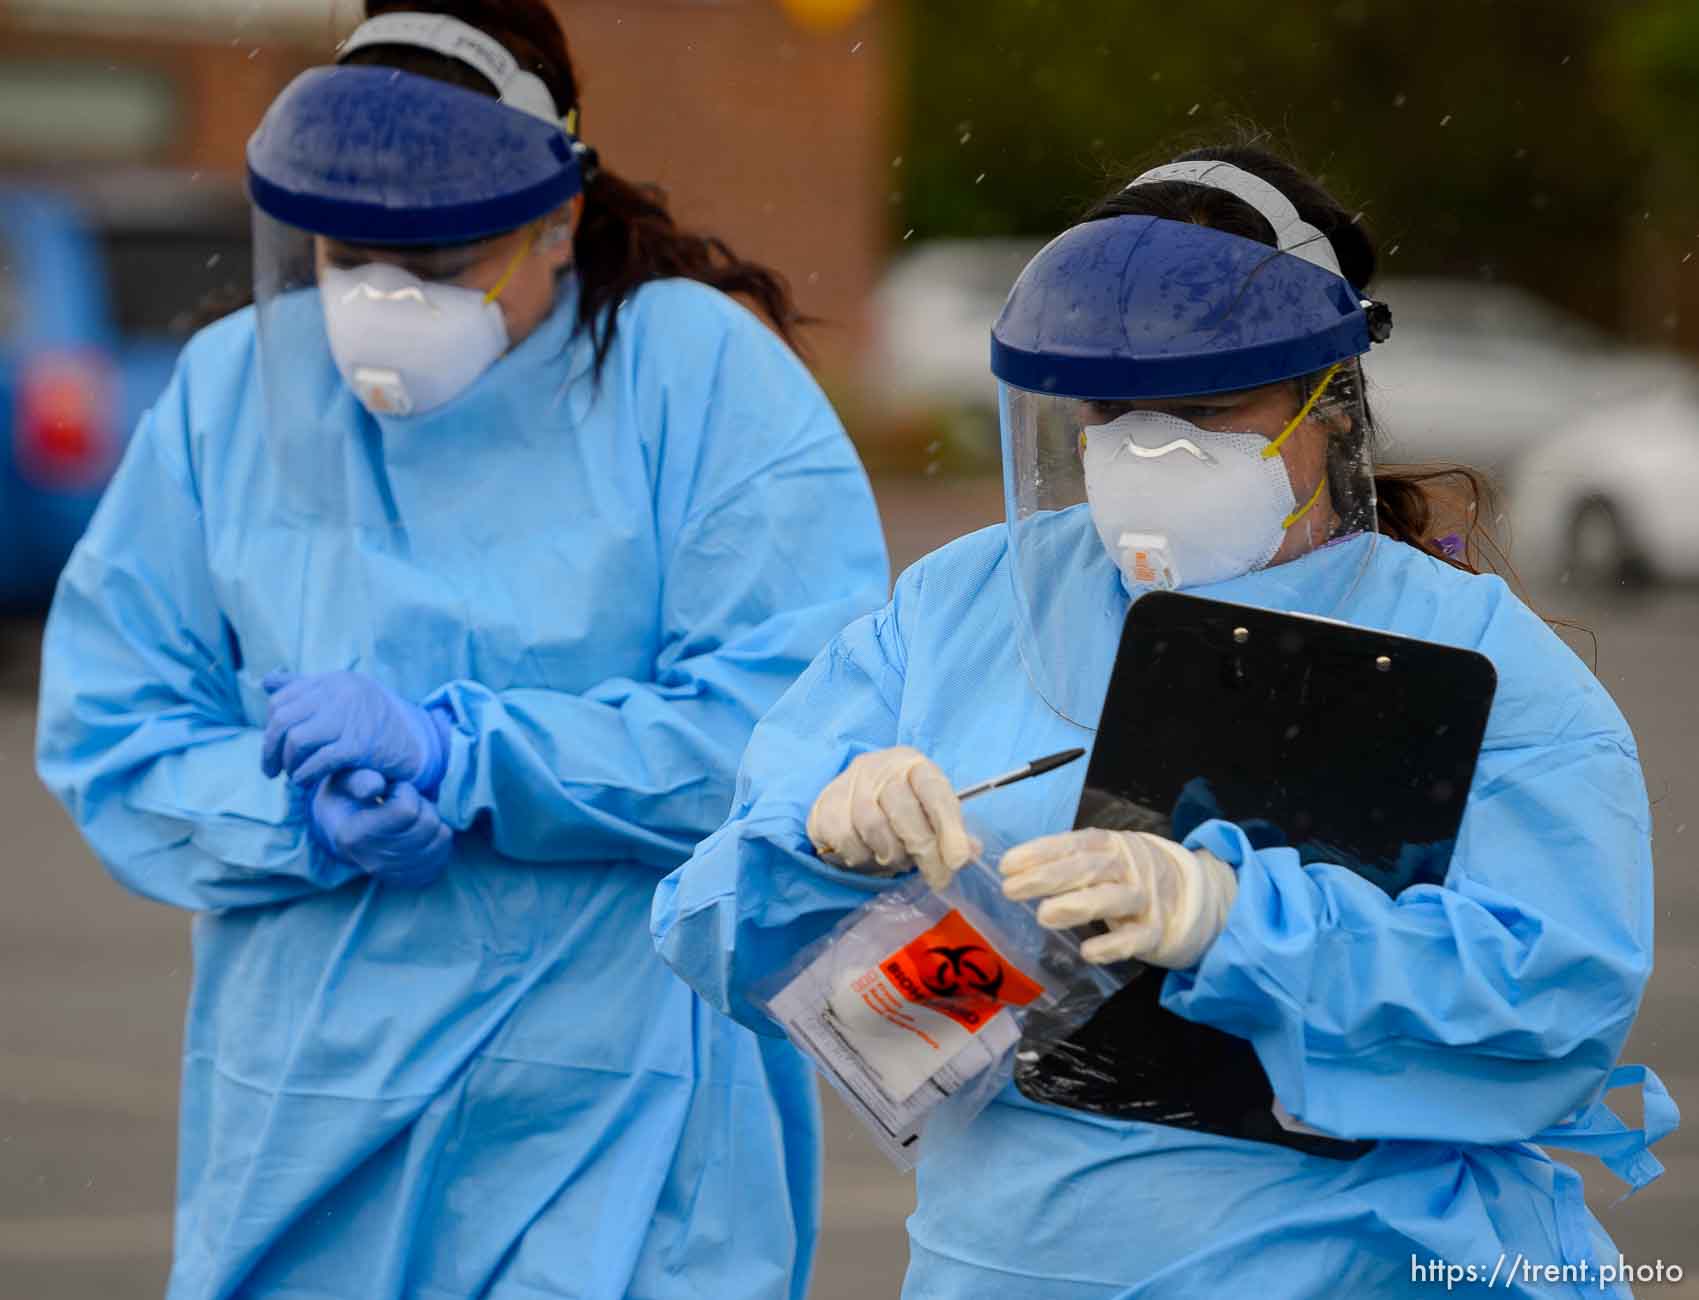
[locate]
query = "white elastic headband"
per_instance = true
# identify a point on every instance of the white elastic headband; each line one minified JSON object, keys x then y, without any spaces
{"x":1291,"y":232}
{"x":517,"y":88}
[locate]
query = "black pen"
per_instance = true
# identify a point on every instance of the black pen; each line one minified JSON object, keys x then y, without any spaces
{"x":1037,"y":767}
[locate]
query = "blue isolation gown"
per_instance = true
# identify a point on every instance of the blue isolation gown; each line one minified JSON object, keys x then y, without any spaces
{"x":490,"y":1087}
{"x":1456,"y":1023}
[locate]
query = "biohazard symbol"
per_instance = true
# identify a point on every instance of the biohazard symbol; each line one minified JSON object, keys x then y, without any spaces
{"x":969,"y":966}
{"x":954,"y":971}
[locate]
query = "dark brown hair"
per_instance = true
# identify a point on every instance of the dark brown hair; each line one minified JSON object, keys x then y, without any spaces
{"x":626,"y":237}
{"x":1438,"y":509}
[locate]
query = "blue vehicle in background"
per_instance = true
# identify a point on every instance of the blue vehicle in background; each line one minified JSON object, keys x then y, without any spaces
{"x":102,"y":280}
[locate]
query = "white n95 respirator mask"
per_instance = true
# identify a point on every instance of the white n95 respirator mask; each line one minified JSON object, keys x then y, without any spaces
{"x":1180,"y":506}
{"x":405,"y":345}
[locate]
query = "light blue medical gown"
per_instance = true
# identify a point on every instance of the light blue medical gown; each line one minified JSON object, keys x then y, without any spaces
{"x":1457,"y":1022}
{"x":490,"y":1087}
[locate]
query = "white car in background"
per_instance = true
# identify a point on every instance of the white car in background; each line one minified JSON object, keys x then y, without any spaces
{"x":933,"y":313}
{"x":1613,"y":498}
{"x":931,"y":355}
{"x":1484,"y":373}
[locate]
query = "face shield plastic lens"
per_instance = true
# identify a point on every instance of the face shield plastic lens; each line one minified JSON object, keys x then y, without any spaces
{"x":310,"y":412}
{"x":1190,"y":493}
{"x":405,"y":341}
{"x":349,"y":335}
{"x":1110,"y":499}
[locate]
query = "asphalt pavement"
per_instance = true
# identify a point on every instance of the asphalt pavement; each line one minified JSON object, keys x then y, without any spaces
{"x":93,"y":983}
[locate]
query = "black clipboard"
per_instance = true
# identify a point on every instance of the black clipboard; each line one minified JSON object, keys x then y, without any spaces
{"x":1353,"y":746}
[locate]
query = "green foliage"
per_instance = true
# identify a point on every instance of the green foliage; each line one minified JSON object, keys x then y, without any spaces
{"x":1651,"y":64}
{"x":1479,"y":137}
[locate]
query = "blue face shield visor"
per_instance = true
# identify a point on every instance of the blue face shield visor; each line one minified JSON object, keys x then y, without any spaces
{"x":1142,"y":307}
{"x":375,"y":156}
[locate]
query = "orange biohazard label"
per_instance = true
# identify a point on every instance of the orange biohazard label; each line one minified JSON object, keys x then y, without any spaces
{"x":953,"y":969}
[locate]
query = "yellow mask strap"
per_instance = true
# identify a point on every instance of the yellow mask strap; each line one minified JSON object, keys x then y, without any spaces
{"x":525,"y":251}
{"x":1273,"y":448}
{"x":1305,"y":509}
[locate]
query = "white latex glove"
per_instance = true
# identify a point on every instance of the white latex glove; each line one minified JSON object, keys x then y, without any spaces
{"x":891,"y":810}
{"x":1163,"y":903}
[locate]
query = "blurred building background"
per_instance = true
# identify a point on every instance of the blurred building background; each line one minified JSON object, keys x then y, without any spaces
{"x":1533,"y":157}
{"x":1526,"y":168}
{"x":765,"y":121}
{"x":1530,"y":169}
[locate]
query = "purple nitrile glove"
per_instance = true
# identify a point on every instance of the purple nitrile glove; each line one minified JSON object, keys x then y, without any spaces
{"x":318,"y":726}
{"x":390,"y":832}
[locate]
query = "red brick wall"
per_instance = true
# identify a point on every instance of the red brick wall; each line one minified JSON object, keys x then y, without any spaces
{"x":774,"y":137}
{"x":222,"y":89}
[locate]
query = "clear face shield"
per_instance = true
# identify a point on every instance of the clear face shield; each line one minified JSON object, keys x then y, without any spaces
{"x":311,"y":415}
{"x":349,"y":331}
{"x":1109,"y":499}
{"x":407,"y":329}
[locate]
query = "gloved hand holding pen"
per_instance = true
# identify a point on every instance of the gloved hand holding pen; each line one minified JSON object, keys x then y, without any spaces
{"x":890,"y":810}
{"x":894,"y":809}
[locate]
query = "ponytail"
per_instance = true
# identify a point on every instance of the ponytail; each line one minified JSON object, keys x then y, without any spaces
{"x":626,"y":237}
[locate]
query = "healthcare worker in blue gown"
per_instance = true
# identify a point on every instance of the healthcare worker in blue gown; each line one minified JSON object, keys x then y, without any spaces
{"x":418,"y":637}
{"x":1182,"y":407}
